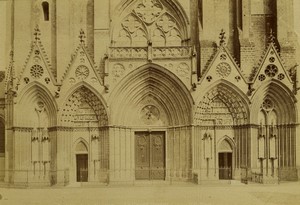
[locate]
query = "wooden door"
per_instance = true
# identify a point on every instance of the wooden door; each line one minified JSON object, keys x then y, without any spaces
{"x":82,"y":167}
{"x":225,"y":165}
{"x":150,"y":155}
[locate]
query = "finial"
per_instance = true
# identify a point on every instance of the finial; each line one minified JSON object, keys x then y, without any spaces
{"x":81,"y":36}
{"x":222,"y":38}
{"x":271,"y":36}
{"x":37,"y":33}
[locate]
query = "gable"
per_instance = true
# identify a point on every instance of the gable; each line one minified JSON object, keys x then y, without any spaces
{"x":80,"y":69}
{"x":223,"y":67}
{"x":37,"y":68}
{"x":272,"y":68}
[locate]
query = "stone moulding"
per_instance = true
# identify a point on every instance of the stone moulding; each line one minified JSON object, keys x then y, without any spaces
{"x":156,"y":52}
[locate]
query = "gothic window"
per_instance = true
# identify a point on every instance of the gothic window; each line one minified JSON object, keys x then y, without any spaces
{"x":271,"y":70}
{"x":173,"y":38}
{"x":2,"y":137}
{"x":139,"y":38}
{"x":123,"y":39}
{"x":267,"y":131}
{"x":45,"y":6}
{"x":149,"y":21}
{"x":158,"y":38}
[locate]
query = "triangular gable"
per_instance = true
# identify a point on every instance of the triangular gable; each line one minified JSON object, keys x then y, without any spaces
{"x":37,"y":67}
{"x":223,"y":66}
{"x":81,"y":68}
{"x":271,"y":67}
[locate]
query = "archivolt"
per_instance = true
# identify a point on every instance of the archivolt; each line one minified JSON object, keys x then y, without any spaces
{"x":236,"y":104}
{"x":155,"y":83}
{"x":29,"y":98}
{"x":282,"y":98}
{"x":83,"y":94}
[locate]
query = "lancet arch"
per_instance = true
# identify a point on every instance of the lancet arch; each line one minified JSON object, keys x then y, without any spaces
{"x":83,"y":108}
{"x":223,"y":104}
{"x":151,"y":89}
{"x":36,"y":100}
{"x":163,"y":23}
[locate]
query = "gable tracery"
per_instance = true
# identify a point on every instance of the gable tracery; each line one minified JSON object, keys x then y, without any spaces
{"x":149,"y":21}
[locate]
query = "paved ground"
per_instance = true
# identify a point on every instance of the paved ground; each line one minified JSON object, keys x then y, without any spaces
{"x":189,"y":194}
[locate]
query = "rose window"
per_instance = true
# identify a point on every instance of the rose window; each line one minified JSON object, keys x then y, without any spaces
{"x":223,"y":69}
{"x":261,"y":77}
{"x":271,"y":70}
{"x":36,"y":71}
{"x":281,"y":76}
{"x":82,"y":72}
{"x":272,"y":59}
{"x":267,"y":104}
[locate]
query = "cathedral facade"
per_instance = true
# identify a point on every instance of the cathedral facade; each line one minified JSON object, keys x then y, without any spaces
{"x":122,"y":91}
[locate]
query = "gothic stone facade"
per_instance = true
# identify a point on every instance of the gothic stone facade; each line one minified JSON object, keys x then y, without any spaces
{"x":117,"y":91}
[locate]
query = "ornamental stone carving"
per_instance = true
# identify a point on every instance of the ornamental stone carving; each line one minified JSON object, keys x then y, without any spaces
{"x":271,"y":70}
{"x":150,"y":115}
{"x":183,"y":69}
{"x":131,"y":24}
{"x":149,"y":10}
{"x":85,"y":106}
{"x":36,"y":71}
{"x":166,"y":23}
{"x":267,"y":105}
{"x":223,"y":69}
{"x":82,"y":72}
{"x":118,"y":70}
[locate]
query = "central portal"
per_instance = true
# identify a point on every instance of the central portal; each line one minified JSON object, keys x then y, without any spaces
{"x":150,"y":155}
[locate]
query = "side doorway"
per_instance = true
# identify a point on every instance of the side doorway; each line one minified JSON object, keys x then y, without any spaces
{"x":82,"y":167}
{"x":225,"y":159}
{"x":225,"y":165}
{"x":81,"y":157}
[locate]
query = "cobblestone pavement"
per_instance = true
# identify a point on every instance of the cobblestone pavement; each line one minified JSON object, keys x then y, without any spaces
{"x":190,"y":194}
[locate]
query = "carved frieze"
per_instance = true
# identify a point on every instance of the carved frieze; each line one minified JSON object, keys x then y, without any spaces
{"x":158,"y":52}
{"x":123,"y":53}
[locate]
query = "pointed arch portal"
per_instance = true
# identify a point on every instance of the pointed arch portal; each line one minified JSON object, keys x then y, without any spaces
{"x":83,"y":108}
{"x":151,"y":96}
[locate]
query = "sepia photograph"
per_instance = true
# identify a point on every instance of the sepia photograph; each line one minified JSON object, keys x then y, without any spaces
{"x":149,"y":102}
